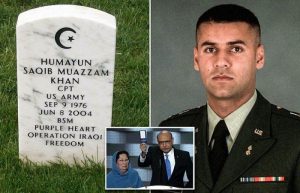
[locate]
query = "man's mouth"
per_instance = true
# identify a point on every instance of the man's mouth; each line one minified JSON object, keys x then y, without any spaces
{"x":222,"y":78}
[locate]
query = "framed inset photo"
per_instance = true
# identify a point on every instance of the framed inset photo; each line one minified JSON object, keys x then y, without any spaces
{"x":152,"y":158}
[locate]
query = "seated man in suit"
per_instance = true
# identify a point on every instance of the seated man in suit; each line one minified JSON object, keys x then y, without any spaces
{"x":168,"y":163}
{"x":244,"y":143}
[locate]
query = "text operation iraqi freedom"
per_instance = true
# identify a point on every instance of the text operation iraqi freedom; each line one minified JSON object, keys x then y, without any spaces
{"x":63,"y":135}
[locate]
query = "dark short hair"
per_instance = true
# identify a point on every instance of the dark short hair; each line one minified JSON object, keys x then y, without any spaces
{"x":121,"y":152}
{"x":229,"y":13}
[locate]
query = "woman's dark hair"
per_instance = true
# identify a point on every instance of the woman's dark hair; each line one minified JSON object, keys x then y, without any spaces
{"x":121,"y":152}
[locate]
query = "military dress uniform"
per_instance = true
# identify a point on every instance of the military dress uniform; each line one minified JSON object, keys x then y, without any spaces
{"x":265,"y":157}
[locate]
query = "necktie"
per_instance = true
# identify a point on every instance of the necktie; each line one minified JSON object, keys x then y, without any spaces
{"x":168,"y":166}
{"x":219,"y":151}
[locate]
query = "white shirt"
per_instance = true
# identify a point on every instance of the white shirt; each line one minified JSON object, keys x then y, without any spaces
{"x":234,"y":120}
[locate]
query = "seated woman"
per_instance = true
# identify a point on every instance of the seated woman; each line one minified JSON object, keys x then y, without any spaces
{"x":122,"y":175}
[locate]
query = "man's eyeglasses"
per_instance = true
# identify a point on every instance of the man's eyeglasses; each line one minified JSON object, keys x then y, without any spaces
{"x":164,"y":142}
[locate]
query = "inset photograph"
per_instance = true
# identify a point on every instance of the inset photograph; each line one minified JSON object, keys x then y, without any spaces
{"x":154,"y":158}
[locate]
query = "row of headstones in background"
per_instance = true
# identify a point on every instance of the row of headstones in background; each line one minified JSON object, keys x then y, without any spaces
{"x":65,"y":70}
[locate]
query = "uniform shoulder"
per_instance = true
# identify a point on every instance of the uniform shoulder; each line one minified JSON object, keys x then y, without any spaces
{"x":182,"y":116}
{"x":282,"y":112}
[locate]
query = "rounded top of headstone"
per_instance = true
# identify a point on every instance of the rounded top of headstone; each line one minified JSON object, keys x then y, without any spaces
{"x":75,"y":11}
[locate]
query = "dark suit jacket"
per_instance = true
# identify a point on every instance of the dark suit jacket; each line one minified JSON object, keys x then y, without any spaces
{"x":183,"y":163}
{"x":272,"y":134}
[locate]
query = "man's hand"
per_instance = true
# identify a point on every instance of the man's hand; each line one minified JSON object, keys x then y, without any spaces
{"x":143,"y":147}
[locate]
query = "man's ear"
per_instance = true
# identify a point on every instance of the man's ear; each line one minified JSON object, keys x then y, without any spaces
{"x":260,"y":57}
{"x":196,"y":59}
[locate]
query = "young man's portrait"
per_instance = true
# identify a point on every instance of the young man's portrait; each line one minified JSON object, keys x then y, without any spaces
{"x":243,"y":57}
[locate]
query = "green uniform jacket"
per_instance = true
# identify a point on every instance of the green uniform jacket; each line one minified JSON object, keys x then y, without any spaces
{"x":268,"y":145}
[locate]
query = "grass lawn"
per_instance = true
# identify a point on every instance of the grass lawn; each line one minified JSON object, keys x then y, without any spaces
{"x":130,"y":103}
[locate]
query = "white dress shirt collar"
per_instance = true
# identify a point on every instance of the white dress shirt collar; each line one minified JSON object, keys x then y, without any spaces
{"x":234,"y":120}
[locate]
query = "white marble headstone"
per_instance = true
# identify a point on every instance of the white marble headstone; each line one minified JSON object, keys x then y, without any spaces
{"x":65,"y":70}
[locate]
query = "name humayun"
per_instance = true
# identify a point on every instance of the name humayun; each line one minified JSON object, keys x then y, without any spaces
{"x":65,"y":62}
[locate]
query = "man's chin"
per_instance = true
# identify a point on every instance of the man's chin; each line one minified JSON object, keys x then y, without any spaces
{"x":221,"y":92}
{"x":222,"y":95}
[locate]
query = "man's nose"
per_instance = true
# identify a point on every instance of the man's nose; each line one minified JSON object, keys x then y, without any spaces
{"x":222,"y":60}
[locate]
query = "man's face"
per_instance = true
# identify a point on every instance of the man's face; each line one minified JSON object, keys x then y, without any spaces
{"x":122,"y":163}
{"x":165,"y":142}
{"x":227,"y":57}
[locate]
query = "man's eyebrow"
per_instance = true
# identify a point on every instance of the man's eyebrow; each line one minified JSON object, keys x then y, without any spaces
{"x":236,"y":42}
{"x":210,"y":43}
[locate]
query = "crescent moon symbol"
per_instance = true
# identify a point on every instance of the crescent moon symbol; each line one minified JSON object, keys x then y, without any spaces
{"x":58,"y":34}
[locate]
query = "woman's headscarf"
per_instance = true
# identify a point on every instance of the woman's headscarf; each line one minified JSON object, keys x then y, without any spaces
{"x":129,"y":179}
